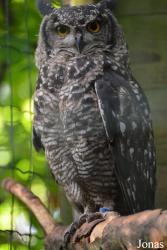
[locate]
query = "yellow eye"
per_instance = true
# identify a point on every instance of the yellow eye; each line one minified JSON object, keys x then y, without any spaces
{"x":94,"y":27}
{"x":62,"y":30}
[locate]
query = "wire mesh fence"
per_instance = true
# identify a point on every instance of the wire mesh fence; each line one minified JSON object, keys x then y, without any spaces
{"x":19,"y":25}
{"x":19,"y":28}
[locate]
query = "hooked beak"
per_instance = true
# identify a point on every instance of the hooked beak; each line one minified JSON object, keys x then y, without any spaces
{"x":79,"y":41}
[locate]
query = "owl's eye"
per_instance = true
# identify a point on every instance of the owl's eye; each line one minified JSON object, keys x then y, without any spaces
{"x":62,"y":30}
{"x":94,"y":27}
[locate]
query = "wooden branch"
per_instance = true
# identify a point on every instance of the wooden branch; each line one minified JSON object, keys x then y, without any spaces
{"x":146,"y":229}
{"x":33,"y":203}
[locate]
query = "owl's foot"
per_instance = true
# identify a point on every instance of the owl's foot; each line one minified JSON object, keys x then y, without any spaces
{"x":70,"y":231}
{"x":76,"y":231}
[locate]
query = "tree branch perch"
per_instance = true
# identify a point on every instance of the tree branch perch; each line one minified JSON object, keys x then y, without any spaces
{"x":114,"y":233}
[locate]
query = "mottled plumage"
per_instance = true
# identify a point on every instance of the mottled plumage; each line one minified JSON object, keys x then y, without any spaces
{"x":90,"y":115}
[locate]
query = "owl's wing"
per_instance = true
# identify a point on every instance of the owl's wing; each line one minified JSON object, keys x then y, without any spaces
{"x":36,"y":139}
{"x":126,"y":119}
{"x":37,"y":120}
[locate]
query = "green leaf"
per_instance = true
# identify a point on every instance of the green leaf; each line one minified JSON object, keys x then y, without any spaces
{"x":57,"y":3}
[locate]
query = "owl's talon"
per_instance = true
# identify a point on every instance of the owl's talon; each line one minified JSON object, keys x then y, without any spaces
{"x":69,"y":233}
{"x":94,"y":216}
{"x":90,"y":220}
{"x":71,"y":230}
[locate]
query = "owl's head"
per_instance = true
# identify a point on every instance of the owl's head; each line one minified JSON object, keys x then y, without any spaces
{"x":78,"y":30}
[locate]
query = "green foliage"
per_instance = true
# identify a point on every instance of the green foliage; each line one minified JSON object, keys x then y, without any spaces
{"x":19,"y":26}
{"x":56,"y":3}
{"x":80,"y":2}
{"x":59,"y":3}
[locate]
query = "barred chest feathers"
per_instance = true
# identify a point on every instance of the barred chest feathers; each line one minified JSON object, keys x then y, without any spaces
{"x":72,"y":132}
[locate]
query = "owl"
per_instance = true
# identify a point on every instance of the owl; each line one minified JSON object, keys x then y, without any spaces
{"x":91,"y":116}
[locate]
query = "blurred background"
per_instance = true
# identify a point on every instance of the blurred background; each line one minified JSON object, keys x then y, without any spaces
{"x":145,"y":27}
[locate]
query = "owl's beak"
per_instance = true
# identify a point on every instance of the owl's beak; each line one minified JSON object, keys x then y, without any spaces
{"x":79,"y":41}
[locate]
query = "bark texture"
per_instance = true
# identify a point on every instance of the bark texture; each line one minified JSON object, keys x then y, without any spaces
{"x":114,"y":233}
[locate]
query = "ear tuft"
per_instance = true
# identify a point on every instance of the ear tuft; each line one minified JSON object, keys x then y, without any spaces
{"x":45,"y":7}
{"x":109,"y":4}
